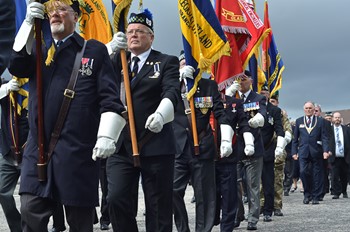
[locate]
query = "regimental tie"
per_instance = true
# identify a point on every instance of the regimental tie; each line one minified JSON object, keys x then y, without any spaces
{"x":337,"y":139}
{"x":308,"y":122}
{"x":135,"y":67}
{"x":243,"y":97}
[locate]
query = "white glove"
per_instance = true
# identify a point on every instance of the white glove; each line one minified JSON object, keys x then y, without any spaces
{"x":104,"y":148}
{"x":226,"y":140}
{"x":111,"y":125}
{"x":280,"y":146}
{"x":287,"y":137}
{"x":163,"y":114}
{"x":34,"y":10}
{"x":5,"y":89}
{"x":118,"y":42}
{"x":232,"y":89}
{"x":186,"y":72}
{"x":249,"y":143}
{"x":256,"y":121}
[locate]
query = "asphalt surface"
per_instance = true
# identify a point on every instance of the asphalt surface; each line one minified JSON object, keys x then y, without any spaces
{"x":330,"y":215}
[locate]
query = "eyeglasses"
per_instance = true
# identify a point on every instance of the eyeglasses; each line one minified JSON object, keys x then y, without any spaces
{"x":137,"y":32}
{"x":61,"y":11}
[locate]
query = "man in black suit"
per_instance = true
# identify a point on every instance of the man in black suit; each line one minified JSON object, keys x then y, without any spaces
{"x":274,"y":144}
{"x":310,"y":145}
{"x":340,"y":158}
{"x":200,"y":168}
{"x":89,"y":130}
{"x":155,"y":91}
{"x":254,"y":106}
{"x":7,"y":31}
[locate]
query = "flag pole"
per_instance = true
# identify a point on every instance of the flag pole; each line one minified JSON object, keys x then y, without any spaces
{"x":130,"y":110}
{"x":42,"y":159}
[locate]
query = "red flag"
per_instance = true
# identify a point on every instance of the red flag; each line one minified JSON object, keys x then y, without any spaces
{"x":256,"y":28}
{"x":229,"y":68}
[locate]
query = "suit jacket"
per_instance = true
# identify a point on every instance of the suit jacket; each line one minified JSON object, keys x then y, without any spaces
{"x":206,"y":100}
{"x":272,"y":125}
{"x":7,"y":31}
{"x":346,"y":145}
{"x":311,"y":144}
{"x":254,"y":99}
{"x":157,"y":79}
{"x":70,"y":166}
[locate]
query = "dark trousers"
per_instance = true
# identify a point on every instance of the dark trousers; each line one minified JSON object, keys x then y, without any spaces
{"x":36,"y":212}
{"x":226,"y":195}
{"x":157,"y":174}
{"x":9,"y":174}
{"x":340,"y":175}
{"x":202,"y":175}
{"x":268,"y":179}
{"x":288,"y":174}
{"x":311,"y":174}
{"x":104,"y":189}
{"x":58,"y":218}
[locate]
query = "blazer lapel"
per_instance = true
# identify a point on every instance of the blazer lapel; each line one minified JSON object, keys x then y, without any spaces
{"x":146,"y":69}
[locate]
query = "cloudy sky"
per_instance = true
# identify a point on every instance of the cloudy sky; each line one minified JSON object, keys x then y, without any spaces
{"x":312,"y":36}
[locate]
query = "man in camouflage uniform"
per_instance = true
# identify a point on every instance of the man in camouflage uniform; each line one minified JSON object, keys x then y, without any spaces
{"x":280,"y":160}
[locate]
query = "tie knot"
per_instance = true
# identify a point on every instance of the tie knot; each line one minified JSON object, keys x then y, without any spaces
{"x":135,"y":59}
{"x":242,"y":96}
{"x":59,"y":43}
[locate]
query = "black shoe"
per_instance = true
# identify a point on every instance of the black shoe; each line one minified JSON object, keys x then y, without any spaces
{"x":104,"y":226}
{"x":53,"y":229}
{"x":335,"y":197}
{"x":267,"y":218}
{"x":345,"y":195}
{"x":306,"y":201}
{"x":286,"y":193}
{"x":278,"y":213}
{"x":251,"y":226}
{"x":320,"y":199}
{"x":315,"y":202}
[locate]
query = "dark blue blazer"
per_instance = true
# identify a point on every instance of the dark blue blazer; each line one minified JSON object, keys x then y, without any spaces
{"x":258,"y":141}
{"x":7,"y":31}
{"x":312,"y":144}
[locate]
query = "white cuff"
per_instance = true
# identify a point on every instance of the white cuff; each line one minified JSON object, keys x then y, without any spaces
{"x":248,"y":138}
{"x":226,"y":132}
{"x":166,"y":110}
{"x":25,"y":35}
{"x":111,"y":125}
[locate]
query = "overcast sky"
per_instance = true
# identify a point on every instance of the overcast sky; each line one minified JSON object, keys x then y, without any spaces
{"x":312,"y":36}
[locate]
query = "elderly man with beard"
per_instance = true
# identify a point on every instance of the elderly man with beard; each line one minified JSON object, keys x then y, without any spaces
{"x":90,"y":127}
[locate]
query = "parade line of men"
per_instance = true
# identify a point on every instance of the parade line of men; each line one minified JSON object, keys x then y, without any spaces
{"x":79,"y":120}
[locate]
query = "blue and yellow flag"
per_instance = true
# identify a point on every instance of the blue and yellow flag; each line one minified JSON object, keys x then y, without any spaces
{"x":272,"y":61}
{"x":23,"y":93}
{"x":120,"y":14}
{"x":93,"y":21}
{"x":204,"y":41}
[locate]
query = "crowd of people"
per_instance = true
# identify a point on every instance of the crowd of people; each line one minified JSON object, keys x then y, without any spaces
{"x":92,"y":122}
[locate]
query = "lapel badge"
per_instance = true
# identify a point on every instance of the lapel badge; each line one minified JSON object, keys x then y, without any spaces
{"x":270,"y":120}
